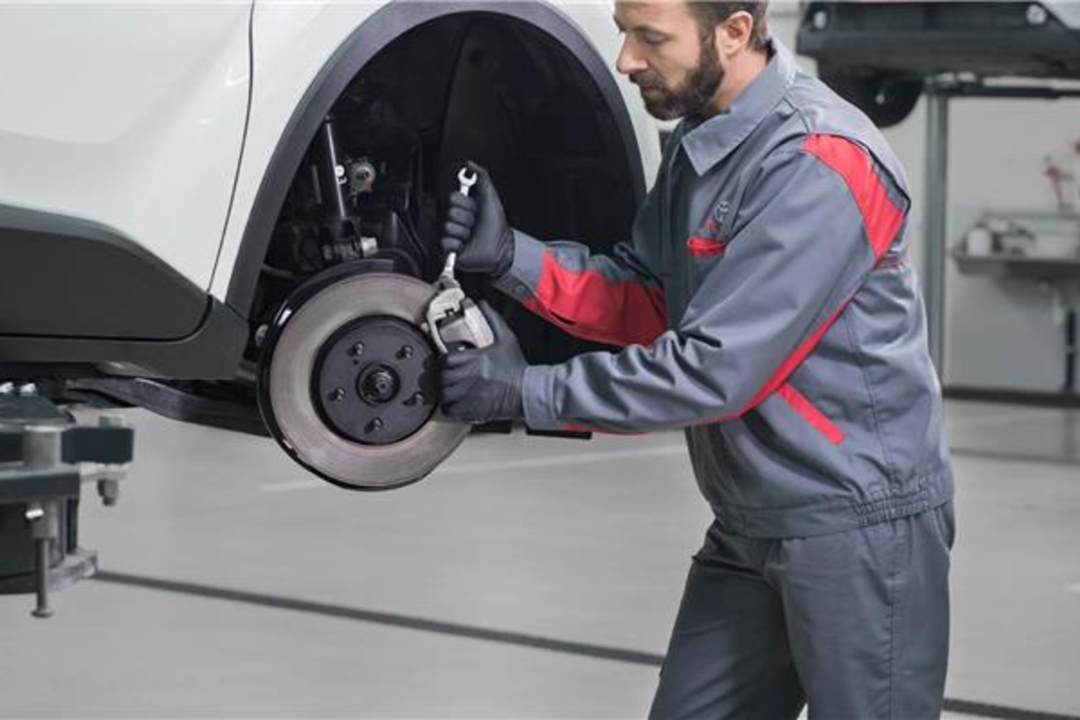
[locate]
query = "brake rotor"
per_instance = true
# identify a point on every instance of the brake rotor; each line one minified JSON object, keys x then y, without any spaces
{"x":349,"y":390}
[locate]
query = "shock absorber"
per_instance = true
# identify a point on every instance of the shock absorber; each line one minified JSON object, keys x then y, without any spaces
{"x":342,"y":226}
{"x":332,"y":175}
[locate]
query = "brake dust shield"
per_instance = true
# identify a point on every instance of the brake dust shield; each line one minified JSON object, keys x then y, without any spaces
{"x":350,"y":390}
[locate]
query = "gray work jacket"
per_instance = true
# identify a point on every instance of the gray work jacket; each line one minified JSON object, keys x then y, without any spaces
{"x":766,"y":305}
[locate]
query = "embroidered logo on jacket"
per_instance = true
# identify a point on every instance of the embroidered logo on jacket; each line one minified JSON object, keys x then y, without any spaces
{"x":708,"y":240}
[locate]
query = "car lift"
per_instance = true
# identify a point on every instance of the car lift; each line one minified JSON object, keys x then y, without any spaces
{"x":45,"y":457}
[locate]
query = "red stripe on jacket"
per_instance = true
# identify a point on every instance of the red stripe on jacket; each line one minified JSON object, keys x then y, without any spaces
{"x":811,"y":414}
{"x":881,"y":218}
{"x":590,"y":306}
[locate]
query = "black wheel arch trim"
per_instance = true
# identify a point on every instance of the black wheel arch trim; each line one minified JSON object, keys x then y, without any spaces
{"x":384,"y":27}
{"x":82,"y":299}
{"x":65,"y":276}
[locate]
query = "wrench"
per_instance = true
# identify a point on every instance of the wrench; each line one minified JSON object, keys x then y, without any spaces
{"x":466,"y":179}
{"x":453,"y":320}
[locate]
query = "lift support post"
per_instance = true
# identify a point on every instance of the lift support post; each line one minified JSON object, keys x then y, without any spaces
{"x":45,"y":458}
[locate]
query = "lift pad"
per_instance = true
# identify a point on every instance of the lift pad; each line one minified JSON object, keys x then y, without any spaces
{"x":45,"y":457}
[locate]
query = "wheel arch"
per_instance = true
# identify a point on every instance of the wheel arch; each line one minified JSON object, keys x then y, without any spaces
{"x":384,"y":27}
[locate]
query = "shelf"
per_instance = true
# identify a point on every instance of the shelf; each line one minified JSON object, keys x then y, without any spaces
{"x":1018,"y":266}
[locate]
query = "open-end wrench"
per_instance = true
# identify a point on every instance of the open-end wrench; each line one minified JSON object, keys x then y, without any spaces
{"x":466,"y":179}
{"x":453,"y":320}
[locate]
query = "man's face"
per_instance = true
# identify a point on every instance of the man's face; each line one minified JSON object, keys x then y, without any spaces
{"x":665,"y":55}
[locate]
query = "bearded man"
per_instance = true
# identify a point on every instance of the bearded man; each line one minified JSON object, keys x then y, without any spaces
{"x":765,"y":306}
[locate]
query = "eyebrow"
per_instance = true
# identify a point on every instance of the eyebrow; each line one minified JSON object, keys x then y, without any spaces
{"x":637,"y":28}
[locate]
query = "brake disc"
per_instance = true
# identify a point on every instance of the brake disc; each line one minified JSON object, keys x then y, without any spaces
{"x":349,"y":390}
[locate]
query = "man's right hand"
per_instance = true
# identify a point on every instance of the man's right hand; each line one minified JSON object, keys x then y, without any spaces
{"x":477,"y":230}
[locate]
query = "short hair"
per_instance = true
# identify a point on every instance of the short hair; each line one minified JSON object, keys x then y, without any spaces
{"x":710,"y":13}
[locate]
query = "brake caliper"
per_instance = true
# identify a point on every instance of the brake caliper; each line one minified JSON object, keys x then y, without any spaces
{"x":454,"y":321}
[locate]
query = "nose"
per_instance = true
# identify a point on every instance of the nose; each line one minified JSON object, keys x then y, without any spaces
{"x":629,"y":61}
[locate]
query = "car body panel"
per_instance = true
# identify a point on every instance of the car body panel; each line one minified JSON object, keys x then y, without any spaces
{"x":129,"y":117}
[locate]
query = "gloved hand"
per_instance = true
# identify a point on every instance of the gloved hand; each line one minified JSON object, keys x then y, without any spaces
{"x":485,"y":384}
{"x":477,"y":230}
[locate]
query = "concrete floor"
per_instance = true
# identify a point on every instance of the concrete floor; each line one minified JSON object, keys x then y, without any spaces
{"x":526,"y":578}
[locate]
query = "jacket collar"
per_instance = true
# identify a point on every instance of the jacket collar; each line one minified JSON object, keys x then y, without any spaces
{"x":709,"y":142}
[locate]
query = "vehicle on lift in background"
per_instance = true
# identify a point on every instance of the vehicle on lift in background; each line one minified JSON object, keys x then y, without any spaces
{"x":877,"y":54}
{"x":191,"y":192}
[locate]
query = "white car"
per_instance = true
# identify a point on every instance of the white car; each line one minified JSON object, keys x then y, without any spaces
{"x":206,"y":204}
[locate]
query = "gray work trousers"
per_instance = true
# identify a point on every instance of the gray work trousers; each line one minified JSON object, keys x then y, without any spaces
{"x":855,"y":624}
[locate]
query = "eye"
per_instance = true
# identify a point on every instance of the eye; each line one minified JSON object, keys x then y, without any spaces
{"x":653,"y":38}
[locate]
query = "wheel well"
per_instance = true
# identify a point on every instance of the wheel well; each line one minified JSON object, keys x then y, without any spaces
{"x":514,"y":86}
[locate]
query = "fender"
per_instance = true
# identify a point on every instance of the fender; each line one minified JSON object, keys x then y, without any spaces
{"x":380,"y":30}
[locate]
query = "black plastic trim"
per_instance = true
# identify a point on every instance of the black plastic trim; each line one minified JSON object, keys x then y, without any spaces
{"x":66,"y":277}
{"x":213,"y":351}
{"x":77,"y":297}
{"x":379,"y":31}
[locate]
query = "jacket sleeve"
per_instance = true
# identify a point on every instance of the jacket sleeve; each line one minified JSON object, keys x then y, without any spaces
{"x":617,"y":299}
{"x":810,"y":229}
{"x":614,"y":299}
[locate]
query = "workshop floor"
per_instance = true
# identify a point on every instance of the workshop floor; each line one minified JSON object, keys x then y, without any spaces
{"x":526,"y":578}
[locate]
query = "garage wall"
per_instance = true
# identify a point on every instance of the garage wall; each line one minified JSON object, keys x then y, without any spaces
{"x":1002,"y":335}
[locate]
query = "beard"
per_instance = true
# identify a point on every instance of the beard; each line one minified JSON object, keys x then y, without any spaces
{"x":689,"y":98}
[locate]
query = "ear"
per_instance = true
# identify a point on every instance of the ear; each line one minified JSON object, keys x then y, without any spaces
{"x":733,"y":35}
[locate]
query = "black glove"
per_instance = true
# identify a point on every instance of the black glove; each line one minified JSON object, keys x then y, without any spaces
{"x":485,"y":384}
{"x":477,"y":230}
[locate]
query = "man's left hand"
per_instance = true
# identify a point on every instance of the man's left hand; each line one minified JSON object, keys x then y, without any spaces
{"x":485,"y":384}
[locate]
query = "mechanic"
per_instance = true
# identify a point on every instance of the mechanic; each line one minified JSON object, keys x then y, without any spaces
{"x":766,"y":305}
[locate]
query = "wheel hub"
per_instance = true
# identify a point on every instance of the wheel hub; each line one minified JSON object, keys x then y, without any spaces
{"x":374,"y":381}
{"x":379,"y":384}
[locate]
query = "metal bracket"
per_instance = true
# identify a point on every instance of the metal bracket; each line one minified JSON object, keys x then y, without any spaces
{"x":45,"y":459}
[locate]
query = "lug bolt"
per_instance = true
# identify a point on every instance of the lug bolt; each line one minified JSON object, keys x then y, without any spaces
{"x":374,"y":426}
{"x":416,"y":399}
{"x":405,"y":352}
{"x":357,"y":349}
{"x":338,"y":395}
